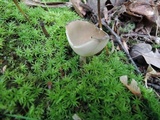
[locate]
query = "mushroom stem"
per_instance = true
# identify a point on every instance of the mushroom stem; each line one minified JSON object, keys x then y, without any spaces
{"x":82,"y":60}
{"x":99,"y":15}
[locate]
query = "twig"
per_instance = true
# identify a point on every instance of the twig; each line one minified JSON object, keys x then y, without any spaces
{"x":146,"y":37}
{"x":118,"y":39}
{"x":44,"y":29}
{"x":99,"y":15}
{"x":16,"y":3}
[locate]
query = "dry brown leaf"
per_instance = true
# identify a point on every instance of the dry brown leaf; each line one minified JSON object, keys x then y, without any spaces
{"x":79,"y":9}
{"x":150,"y":73}
{"x":93,"y":5}
{"x":144,"y":27}
{"x":152,"y":58}
{"x":133,"y":87}
{"x":132,"y":15}
{"x":144,"y":9}
{"x":145,"y":50}
{"x":117,"y":2}
{"x":145,"y":12}
{"x":139,"y":49}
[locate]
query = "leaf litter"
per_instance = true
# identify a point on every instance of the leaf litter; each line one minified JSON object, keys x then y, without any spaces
{"x":138,"y":40}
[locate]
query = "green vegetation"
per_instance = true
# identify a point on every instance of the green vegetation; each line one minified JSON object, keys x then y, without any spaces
{"x":33,"y":62}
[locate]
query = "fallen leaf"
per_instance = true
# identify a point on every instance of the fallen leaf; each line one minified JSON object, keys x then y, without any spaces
{"x":78,"y":8}
{"x":93,"y":5}
{"x":145,"y":50}
{"x":117,"y":2}
{"x":133,"y":87}
{"x":139,"y":49}
{"x":132,"y":15}
{"x":145,"y":8}
{"x":152,"y":58}
{"x":150,"y":72}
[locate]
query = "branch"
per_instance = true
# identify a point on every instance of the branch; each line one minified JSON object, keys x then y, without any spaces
{"x":118,"y":39}
{"x":148,"y":38}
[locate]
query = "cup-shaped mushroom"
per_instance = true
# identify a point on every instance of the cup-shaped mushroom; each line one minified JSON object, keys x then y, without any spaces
{"x":85,"y":38}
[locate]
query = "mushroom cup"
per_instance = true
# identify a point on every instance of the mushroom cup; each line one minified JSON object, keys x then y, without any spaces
{"x":85,"y":38}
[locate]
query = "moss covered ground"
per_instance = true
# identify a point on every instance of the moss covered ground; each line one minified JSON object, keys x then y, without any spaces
{"x":44,"y":81}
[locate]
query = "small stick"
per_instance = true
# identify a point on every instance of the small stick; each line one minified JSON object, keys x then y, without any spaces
{"x":16,"y":3}
{"x":99,"y":15}
{"x":118,"y":39}
{"x":146,"y":37}
{"x":44,"y":29}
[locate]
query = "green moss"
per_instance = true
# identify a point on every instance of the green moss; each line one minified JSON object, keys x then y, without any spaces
{"x":93,"y":91}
